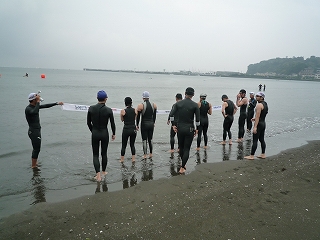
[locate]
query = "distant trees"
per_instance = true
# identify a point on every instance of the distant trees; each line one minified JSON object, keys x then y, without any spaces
{"x":284,"y":66}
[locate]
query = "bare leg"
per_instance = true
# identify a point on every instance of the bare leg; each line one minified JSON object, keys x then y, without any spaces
{"x":133,"y":158}
{"x":230,"y":142}
{"x":122,"y":159}
{"x":34,"y":162}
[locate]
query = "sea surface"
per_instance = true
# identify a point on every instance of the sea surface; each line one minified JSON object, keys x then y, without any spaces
{"x":66,"y":169}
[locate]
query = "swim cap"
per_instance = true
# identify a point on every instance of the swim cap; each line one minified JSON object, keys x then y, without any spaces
{"x":203,"y":95}
{"x":224,"y":96}
{"x":179,"y":96}
{"x":128,"y":101}
{"x":101,"y":95}
{"x":190,"y":91}
{"x":260,"y":94}
{"x":146,"y":94}
{"x":32,"y":96}
{"x":252,"y":93}
{"x":243,"y":91}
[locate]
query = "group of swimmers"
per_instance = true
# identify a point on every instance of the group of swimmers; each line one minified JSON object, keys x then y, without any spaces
{"x":184,"y":113}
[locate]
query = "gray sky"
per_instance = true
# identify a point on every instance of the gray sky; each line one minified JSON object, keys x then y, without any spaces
{"x":204,"y":35}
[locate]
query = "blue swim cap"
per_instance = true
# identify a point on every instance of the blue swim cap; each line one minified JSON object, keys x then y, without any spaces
{"x":101,"y":95}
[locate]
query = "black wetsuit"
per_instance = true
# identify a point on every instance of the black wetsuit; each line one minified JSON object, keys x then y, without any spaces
{"x":34,"y":132}
{"x":250,"y":112}
{"x":186,"y":110}
{"x":148,"y":120}
{"x":242,"y":120}
{"x":204,"y":123}
{"x":97,"y":120}
{"x":228,"y":120}
{"x":129,"y":130}
{"x":261,"y":127}
{"x":172,"y":132}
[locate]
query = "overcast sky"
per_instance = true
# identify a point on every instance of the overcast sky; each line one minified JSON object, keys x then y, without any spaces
{"x":204,"y":35}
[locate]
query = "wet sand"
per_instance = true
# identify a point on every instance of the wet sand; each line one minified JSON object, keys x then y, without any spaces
{"x":274,"y":198}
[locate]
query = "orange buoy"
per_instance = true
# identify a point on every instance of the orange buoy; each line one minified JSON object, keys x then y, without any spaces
{"x":43,"y":76}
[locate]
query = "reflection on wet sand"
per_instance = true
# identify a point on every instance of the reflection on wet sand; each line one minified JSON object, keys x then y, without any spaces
{"x":147,"y":170}
{"x":38,"y":190}
{"x":174,"y":165}
{"x":226,"y":151}
{"x":198,"y":156}
{"x":103,"y":185}
{"x":128,"y":175}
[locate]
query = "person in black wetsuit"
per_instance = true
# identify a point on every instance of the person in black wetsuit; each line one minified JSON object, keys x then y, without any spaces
{"x":250,"y":111}
{"x":259,"y":127}
{"x":33,"y":119}
{"x":128,"y":117}
{"x":242,"y":102}
{"x":186,"y":110}
{"x":228,"y":110}
{"x":148,"y":111}
{"x":97,"y":120}
{"x":173,"y":123}
{"x":205,"y":109}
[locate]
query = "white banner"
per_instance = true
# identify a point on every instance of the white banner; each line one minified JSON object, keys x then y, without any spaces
{"x":85,"y":108}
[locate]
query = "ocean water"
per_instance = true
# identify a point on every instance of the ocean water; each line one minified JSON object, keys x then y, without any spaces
{"x":66,"y":169}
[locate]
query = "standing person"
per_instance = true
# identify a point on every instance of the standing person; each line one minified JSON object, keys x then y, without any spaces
{"x":33,"y":119}
{"x":260,"y":86}
{"x":128,"y":117}
{"x":250,"y":111}
{"x":242,"y":102}
{"x":264,"y":87}
{"x":173,"y":123}
{"x":186,"y":110}
{"x":228,"y":110}
{"x":97,"y":120}
{"x":205,"y":109}
{"x":259,"y":127}
{"x":148,"y":111}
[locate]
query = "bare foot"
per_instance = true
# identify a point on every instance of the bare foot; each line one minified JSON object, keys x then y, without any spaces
{"x":171,"y":150}
{"x":150,"y":155}
{"x":197,"y":148}
{"x":230,"y":142}
{"x":262,"y":156}
{"x":98,"y":177}
{"x":205,"y":147}
{"x":223,"y":143}
{"x":251,"y":157}
{"x":240,"y":140}
{"x":182,"y":170}
{"x":133,"y":159}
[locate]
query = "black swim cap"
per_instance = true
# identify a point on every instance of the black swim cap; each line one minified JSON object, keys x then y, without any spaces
{"x":243,"y":91}
{"x":179,"y":96}
{"x":128,"y":101}
{"x":190,"y":91}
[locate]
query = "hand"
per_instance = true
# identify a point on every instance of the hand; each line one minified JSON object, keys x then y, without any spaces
{"x":195,"y":133}
{"x":175,"y":129}
{"x":168,"y":122}
{"x":238,"y":96}
{"x":60,"y":103}
{"x":113,"y":137}
{"x":254,"y":130}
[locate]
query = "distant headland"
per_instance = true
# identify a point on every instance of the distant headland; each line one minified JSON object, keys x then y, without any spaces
{"x":295,"y":68}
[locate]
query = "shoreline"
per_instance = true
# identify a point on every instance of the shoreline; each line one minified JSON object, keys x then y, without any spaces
{"x":276,"y":198}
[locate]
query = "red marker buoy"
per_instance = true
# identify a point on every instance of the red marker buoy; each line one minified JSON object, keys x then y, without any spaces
{"x":43,"y":76}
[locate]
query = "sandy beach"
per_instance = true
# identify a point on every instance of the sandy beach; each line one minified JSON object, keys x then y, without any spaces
{"x":274,"y":198}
